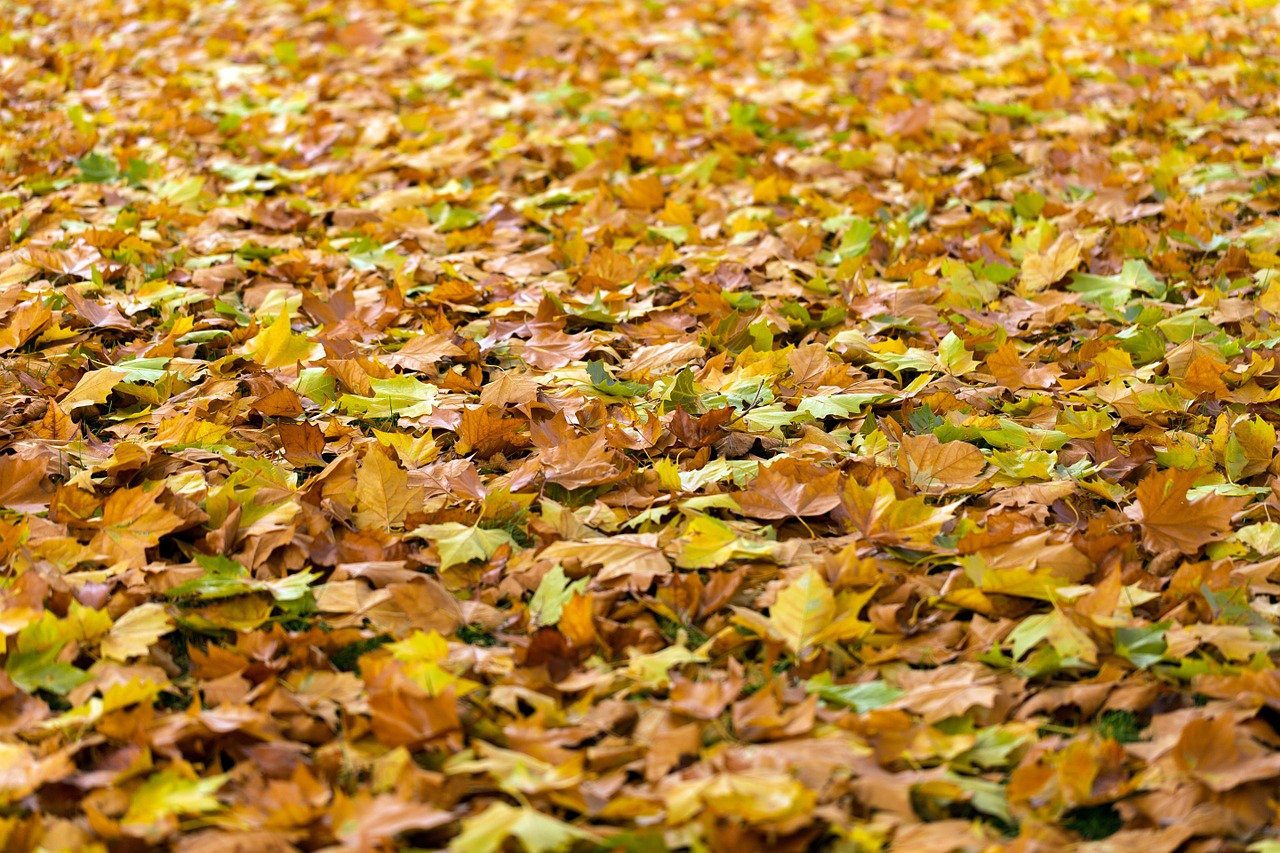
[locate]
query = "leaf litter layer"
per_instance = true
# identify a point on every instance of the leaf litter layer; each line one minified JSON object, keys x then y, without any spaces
{"x":639,"y":426}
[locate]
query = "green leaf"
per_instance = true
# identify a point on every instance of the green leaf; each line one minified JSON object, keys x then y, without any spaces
{"x":97,"y":168}
{"x":708,"y":543}
{"x":1143,"y":646}
{"x":682,"y":394}
{"x":553,"y":593}
{"x":397,"y":397}
{"x":953,"y":358}
{"x":40,"y":670}
{"x":168,"y":794}
{"x":225,"y":578}
{"x":460,"y":543}
{"x":863,"y":697}
{"x":606,"y":384}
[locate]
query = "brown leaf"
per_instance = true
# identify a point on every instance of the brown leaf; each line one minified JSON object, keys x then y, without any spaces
{"x":1170,"y":521}
{"x":548,"y":350}
{"x":303,"y":443}
{"x":938,"y":468}
{"x":22,"y":483}
{"x":486,"y":430}
{"x":790,"y":488}
{"x":705,"y":430}
{"x":583,"y":461}
{"x":406,"y":715}
{"x":427,"y":604}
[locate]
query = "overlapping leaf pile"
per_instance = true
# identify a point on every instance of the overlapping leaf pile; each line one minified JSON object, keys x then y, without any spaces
{"x":639,"y":426}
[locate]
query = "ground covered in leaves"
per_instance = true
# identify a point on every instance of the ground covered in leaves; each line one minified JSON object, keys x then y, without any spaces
{"x":626,"y":425}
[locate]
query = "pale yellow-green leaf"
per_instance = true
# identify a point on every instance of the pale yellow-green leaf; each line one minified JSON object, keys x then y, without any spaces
{"x":168,"y":794}
{"x":708,"y":542}
{"x":553,"y":593}
{"x":382,"y":492}
{"x":652,"y":670}
{"x":488,"y":831}
{"x":802,"y":611}
{"x":277,"y":345}
{"x":459,"y":543}
{"x":135,"y":631}
{"x":953,"y":358}
{"x":93,"y":388}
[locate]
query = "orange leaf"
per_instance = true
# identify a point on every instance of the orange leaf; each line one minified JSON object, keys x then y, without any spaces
{"x":1170,"y":521}
{"x":938,"y":468}
{"x":790,"y":488}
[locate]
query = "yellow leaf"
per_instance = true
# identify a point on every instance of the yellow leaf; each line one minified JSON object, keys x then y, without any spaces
{"x":936,"y":467}
{"x":537,"y":832}
{"x":277,"y":345}
{"x":1041,"y":269}
{"x":802,"y":610}
{"x":135,"y":631}
{"x":93,"y":388}
{"x":382,"y":490}
{"x":460,"y":543}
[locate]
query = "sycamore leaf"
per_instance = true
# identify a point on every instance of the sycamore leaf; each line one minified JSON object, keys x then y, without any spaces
{"x":790,"y":488}
{"x":708,"y":542}
{"x":277,"y":346}
{"x":861,"y":696}
{"x":397,"y":397}
{"x":40,"y":669}
{"x":135,"y":631}
{"x":802,"y":611}
{"x":938,"y":468}
{"x":92,"y":389}
{"x":1171,"y":522}
{"x":637,"y":556}
{"x":953,"y":358}
{"x":382,"y":492}
{"x":553,"y":593}
{"x":167,"y":795}
{"x":1041,"y":269}
{"x":875,"y":511}
{"x":460,"y":543}
{"x":132,"y":521}
{"x":536,"y":832}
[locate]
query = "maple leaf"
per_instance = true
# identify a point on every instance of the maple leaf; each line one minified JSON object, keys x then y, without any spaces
{"x":876,"y":512}
{"x":21,"y":480}
{"x":536,"y":832}
{"x":302,"y":443}
{"x":460,"y":543}
{"x":277,"y":346}
{"x":292,"y":373}
{"x":548,"y":350}
{"x":132,"y":521}
{"x":1170,"y":521}
{"x":405,"y":714}
{"x":1041,"y":269}
{"x":382,"y":492}
{"x":790,"y":488}
{"x":485,"y":431}
{"x":1010,"y":370}
{"x":636,"y":556}
{"x":580,"y":462}
{"x":553,"y":593}
{"x":163,"y":797}
{"x":135,"y":631}
{"x":938,"y":468}
{"x":92,"y":389}
{"x":802,"y":611}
